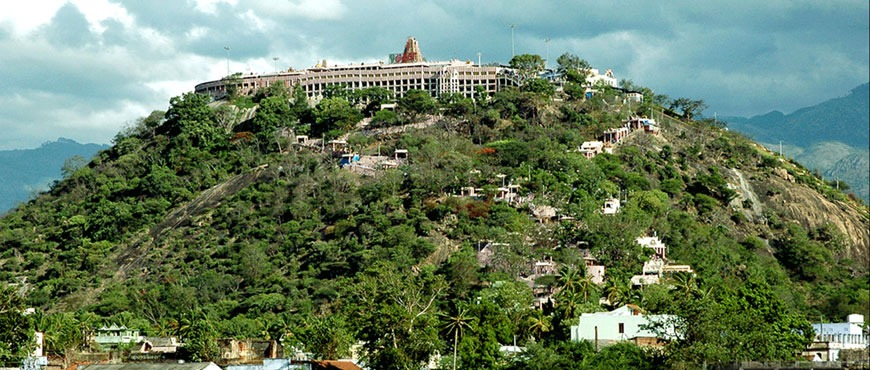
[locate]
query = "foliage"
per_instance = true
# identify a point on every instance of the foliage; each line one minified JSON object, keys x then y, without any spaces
{"x":326,"y":338}
{"x":178,"y":230}
{"x":333,"y":116}
{"x":16,"y":328}
{"x":689,"y":107}
{"x":190,"y":119}
{"x":416,"y":103}
{"x":528,"y":65}
{"x":385,"y":118}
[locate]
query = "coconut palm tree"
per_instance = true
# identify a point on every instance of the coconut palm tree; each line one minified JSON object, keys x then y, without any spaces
{"x":455,"y":324}
{"x":616,"y":293}
{"x":539,"y":324}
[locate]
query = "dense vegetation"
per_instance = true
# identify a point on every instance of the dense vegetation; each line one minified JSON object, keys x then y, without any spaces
{"x":198,"y":225}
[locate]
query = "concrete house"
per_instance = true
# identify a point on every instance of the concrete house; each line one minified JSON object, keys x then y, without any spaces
{"x":611,"y":206}
{"x":625,"y":323}
{"x":594,"y":270}
{"x":615,"y":135}
{"x":831,"y":338}
{"x":112,"y":336}
{"x":590,"y":149}
{"x":159,"y":345}
{"x":657,"y":267}
{"x":634,"y":97}
{"x":655,"y":244}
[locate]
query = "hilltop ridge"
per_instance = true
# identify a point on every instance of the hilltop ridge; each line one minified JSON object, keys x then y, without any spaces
{"x":223,"y":217}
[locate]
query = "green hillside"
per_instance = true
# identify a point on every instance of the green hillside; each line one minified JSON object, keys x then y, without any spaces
{"x":197,"y":225}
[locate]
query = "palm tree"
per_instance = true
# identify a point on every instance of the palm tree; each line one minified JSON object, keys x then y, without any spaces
{"x":539,"y":323}
{"x":586,"y":286}
{"x":569,"y":278}
{"x":616,"y":293}
{"x":455,"y":324}
{"x":685,"y":283}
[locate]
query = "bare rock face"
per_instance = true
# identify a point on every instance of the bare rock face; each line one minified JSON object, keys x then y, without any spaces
{"x":782,"y":172}
{"x":813,"y":210}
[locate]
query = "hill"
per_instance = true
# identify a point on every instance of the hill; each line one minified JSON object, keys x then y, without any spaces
{"x":204,"y":224}
{"x":30,"y":171}
{"x":830,"y":137}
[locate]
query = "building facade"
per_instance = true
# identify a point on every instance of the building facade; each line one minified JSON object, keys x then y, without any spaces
{"x":400,"y":76}
{"x":626,"y":323}
{"x":839,"y":336}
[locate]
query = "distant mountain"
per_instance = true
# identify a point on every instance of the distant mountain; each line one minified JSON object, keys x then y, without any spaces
{"x":28,"y":171}
{"x":832,"y":137}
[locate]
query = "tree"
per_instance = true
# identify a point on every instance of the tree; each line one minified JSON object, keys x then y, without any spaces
{"x":65,"y":334}
{"x":373,"y":98}
{"x":385,"y":118}
{"x":689,"y":107}
{"x":538,"y":324}
{"x":746,"y":322}
{"x":623,"y":355}
{"x":335,"y":115}
{"x":575,"y":281}
{"x":274,"y":112}
{"x":454,"y":324}
{"x":72,"y":164}
{"x":570,"y":62}
{"x":804,"y":258}
{"x":628,"y":85}
{"x":196,"y":330}
{"x":327,"y":338}
{"x":454,"y":104}
{"x":540,"y":87}
{"x":16,"y":328}
{"x":397,"y":316}
{"x":231,"y":84}
{"x":189,"y":118}
{"x":528,"y":65}
{"x":299,"y":107}
{"x":416,"y":103}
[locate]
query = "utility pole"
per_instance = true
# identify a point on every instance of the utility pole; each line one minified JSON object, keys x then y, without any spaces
{"x":513,"y":51}
{"x":227,"y":48}
{"x":547,"y":61}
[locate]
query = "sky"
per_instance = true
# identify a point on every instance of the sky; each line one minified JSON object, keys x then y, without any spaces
{"x":85,"y":69}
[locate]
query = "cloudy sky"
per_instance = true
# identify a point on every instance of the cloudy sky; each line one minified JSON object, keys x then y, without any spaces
{"x":83,"y":69}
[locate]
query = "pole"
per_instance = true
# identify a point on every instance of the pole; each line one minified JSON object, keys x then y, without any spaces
{"x":513,"y":51}
{"x":596,"y":338}
{"x":227,"y":48}
{"x":547,"y":61}
{"x":275,"y":63}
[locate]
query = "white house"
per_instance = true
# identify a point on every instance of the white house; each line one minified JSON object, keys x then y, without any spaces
{"x":591,"y":148}
{"x":622,"y":324}
{"x":595,"y":77}
{"x":842,"y":335}
{"x":655,"y":244}
{"x":611,"y":206}
{"x":114,"y":335}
